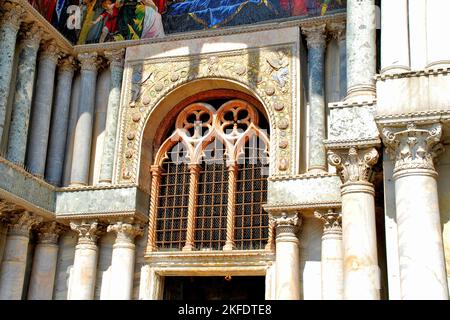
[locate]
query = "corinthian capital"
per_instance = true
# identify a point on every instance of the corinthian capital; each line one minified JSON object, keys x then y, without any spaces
{"x":49,"y":232}
{"x":22,"y":223}
{"x":12,"y":15}
{"x":31,"y":35}
{"x":89,"y":61}
{"x":353,"y":165}
{"x":126,"y":232}
{"x":50,"y":50}
{"x":87,"y":231}
{"x":414,"y":147}
{"x":337,"y":30}
{"x":332,"y":221}
{"x":287,"y":224}
{"x":116,"y":58}
{"x":67,"y":64}
{"x":315,"y":36}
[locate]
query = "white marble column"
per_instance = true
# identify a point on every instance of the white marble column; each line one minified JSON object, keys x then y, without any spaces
{"x":123,"y":257}
{"x":23,"y":95}
{"x":116,"y":60}
{"x":60,"y":122}
{"x":45,"y":259}
{"x":83,"y":130}
{"x":316,"y":40}
{"x":361,"y":49}
{"x":84,"y":270}
{"x":438,"y":48}
{"x":287,"y":257}
{"x":422,"y":263}
{"x":332,"y":256}
{"x":10,"y":20}
{"x":12,"y":271}
{"x":361,"y":271}
{"x":417,"y":18}
{"x":338,"y":32}
{"x":394,"y":37}
{"x":42,"y":108}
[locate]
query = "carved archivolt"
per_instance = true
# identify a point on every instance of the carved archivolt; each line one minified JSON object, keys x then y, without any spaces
{"x":268,"y":72}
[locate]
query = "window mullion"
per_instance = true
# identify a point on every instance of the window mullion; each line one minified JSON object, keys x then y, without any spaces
{"x":194,"y":171}
{"x":231,"y":206}
{"x":154,"y":193}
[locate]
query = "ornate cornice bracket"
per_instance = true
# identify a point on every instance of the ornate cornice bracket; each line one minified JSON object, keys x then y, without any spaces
{"x":414,"y":147}
{"x":353,"y":164}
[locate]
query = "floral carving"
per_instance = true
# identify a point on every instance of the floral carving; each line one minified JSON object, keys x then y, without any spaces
{"x":332,"y":221}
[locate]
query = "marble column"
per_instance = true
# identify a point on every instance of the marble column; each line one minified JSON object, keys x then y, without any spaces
{"x":287,"y":257}
{"x":422,"y":263}
{"x":337,"y":30}
{"x":116,"y":60}
{"x":417,"y":24}
{"x":10,"y":21}
{"x":60,"y":122}
{"x":23,"y":95}
{"x":315,"y":37}
{"x":83,"y":130}
{"x":394,"y":37}
{"x":12,"y":271}
{"x":84,"y":270}
{"x":123,"y":257}
{"x":438,"y":48}
{"x":45,"y":259}
{"x":361,"y":49}
{"x":361,"y":271}
{"x":42,"y":109}
{"x":332,"y":256}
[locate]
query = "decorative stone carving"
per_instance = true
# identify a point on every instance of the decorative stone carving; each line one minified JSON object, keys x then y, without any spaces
{"x":22,"y":223}
{"x":67,"y":64}
{"x":12,"y":15}
{"x":337,"y":30}
{"x":115,"y":58}
{"x":315,"y":36}
{"x":50,"y":50}
{"x":287,"y":224}
{"x":87,"y":231}
{"x":49,"y":232}
{"x":126,"y":232}
{"x":31,"y":35}
{"x":89,"y":61}
{"x":354,"y":165}
{"x":413,"y":148}
{"x":332,"y":220}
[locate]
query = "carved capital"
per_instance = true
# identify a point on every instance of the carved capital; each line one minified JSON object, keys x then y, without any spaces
{"x":332,"y":221}
{"x":116,"y":58}
{"x":337,"y":30}
{"x":12,"y":15}
{"x":49,"y":232}
{"x":88,"y":231}
{"x":50,"y":51}
{"x":315,"y":36}
{"x":22,"y":223}
{"x":354,"y":165}
{"x":414,"y":147}
{"x":287,"y":224}
{"x":89,"y":61}
{"x":31,"y":35}
{"x":126,"y":232}
{"x":67,"y":64}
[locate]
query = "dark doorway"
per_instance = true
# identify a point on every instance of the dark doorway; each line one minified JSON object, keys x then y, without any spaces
{"x":214,"y":288}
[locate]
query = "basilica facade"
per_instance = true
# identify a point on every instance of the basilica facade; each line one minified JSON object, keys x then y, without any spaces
{"x":278,"y":150}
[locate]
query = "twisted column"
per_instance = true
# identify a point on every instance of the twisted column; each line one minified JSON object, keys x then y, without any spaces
{"x":12,"y":271}
{"x":122,"y":263}
{"x":361,"y":271}
{"x":20,"y":114}
{"x":42,"y":108}
{"x":85,"y":263}
{"x":45,"y":258}
{"x":422,"y":263}
{"x":316,"y":40}
{"x":332,"y":256}
{"x":193,"y":188}
{"x":231,"y":206}
{"x":287,"y":257}
{"x":116,"y":60}
{"x":60,"y":122}
{"x":10,"y":20}
{"x":83,"y":131}
{"x":154,"y":193}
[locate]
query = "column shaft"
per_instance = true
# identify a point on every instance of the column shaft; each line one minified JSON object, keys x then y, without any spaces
{"x":42,"y":108}
{"x":394,"y":37}
{"x":361,"y":48}
{"x":18,"y":131}
{"x":60,"y":123}
{"x":438,"y":50}
{"x":417,"y":14}
{"x":107,"y":165}
{"x":83,"y":131}
{"x":9,"y":26}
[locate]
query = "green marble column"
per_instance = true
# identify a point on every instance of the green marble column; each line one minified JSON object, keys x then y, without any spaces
{"x":10,"y":21}
{"x":18,"y":131}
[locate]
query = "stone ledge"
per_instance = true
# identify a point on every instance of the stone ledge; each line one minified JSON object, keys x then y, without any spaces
{"x":423,"y":117}
{"x":412,"y":74}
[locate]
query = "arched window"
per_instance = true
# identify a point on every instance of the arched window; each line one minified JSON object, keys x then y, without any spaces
{"x":209,"y":181}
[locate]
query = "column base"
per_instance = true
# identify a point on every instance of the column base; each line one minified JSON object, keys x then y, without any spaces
{"x":361,"y":93}
{"x":188,"y":247}
{"x":229,"y":246}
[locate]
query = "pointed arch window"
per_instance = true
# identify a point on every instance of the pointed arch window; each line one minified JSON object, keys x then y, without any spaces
{"x":209,"y":181}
